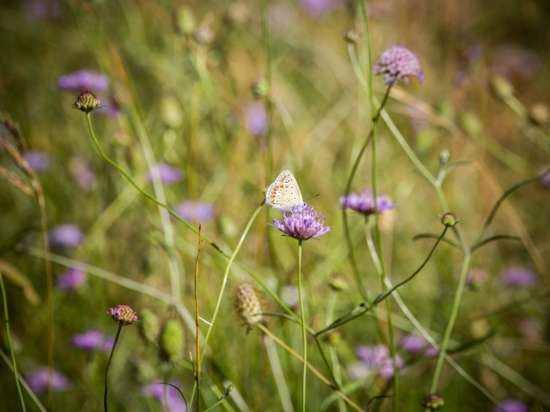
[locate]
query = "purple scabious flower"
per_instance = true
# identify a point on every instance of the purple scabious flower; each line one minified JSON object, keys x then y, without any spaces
{"x":317,"y":8}
{"x":302,"y":223}
{"x":378,"y":358}
{"x":511,"y":405}
{"x":65,"y":236}
{"x":38,"y":161}
{"x":83,"y":174}
{"x":167,"y":174}
{"x":42,"y":9}
{"x":364,"y":203}
{"x":71,"y":278}
{"x":83,"y":80}
{"x":398,"y":63}
{"x":40,"y":380}
{"x":167,"y":395}
{"x":92,"y":340}
{"x":518,"y":277}
{"x":199,"y":212}
{"x":124,"y":314}
{"x":256,"y":119}
{"x":413,"y":344}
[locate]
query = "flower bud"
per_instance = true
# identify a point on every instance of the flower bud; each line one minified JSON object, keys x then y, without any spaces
{"x":172,"y":340}
{"x":87,"y":102}
{"x":433,"y":402}
{"x":338,"y":284}
{"x":248,"y":305}
{"x":449,"y":219}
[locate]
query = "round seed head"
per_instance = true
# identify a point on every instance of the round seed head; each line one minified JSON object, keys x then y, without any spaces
{"x":149,"y":326}
{"x":172,"y":340}
{"x":124,"y":314}
{"x":248,"y":305}
{"x":87,"y":102}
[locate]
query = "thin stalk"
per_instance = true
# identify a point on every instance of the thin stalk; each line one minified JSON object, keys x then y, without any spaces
{"x":303,"y":326}
{"x":223,"y":287}
{"x":278,"y":375}
{"x":451,"y":322}
{"x":8,"y":336}
{"x":314,"y":370}
{"x":197,"y":335}
{"x":106,"y":387}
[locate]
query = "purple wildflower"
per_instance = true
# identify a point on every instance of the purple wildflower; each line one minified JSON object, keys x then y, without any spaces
{"x":38,"y":161}
{"x":71,"y":278}
{"x":199,"y":212}
{"x":167,"y":395}
{"x":413,"y":344}
{"x":83,"y":80}
{"x":92,"y":340}
{"x":124,"y":314}
{"x":364,"y":203}
{"x":166,"y":173}
{"x":42,"y":9}
{"x":378,"y":358}
{"x":83,"y":174}
{"x":40,"y":380}
{"x":518,"y":277}
{"x":511,"y":405}
{"x":317,"y":8}
{"x":65,"y":236}
{"x":256,"y":119}
{"x":302,"y":223}
{"x":510,"y":60}
{"x":398,"y":63}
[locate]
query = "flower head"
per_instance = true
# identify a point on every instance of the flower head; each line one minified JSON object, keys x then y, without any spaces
{"x":511,"y":405}
{"x":124,"y":314}
{"x":167,"y":395}
{"x":82,"y":80}
{"x":378,"y":358}
{"x":364,"y":203}
{"x":518,"y":277}
{"x":302,"y":223}
{"x":413,"y":344}
{"x":71,"y":278}
{"x":92,"y":340}
{"x":398,"y":63}
{"x":256,"y":119}
{"x":87,"y":102}
{"x":65,"y":236}
{"x":167,"y":174}
{"x":199,"y":212}
{"x":41,"y":379}
{"x":38,"y":161}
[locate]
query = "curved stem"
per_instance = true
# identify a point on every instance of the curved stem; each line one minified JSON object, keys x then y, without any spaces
{"x":106,"y":387}
{"x":8,"y":336}
{"x":303,"y":325}
{"x":451,"y":322}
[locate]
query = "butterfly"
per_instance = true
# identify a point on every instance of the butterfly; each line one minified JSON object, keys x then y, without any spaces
{"x":284,"y":193}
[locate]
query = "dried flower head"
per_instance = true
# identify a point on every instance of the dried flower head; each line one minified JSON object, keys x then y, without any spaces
{"x":398,"y":63}
{"x":302,"y":223}
{"x":248,"y":305}
{"x":87,"y":102}
{"x":364,"y":203}
{"x":124,"y":314}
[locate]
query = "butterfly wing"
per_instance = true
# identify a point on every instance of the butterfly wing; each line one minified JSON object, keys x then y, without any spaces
{"x":284,"y":193}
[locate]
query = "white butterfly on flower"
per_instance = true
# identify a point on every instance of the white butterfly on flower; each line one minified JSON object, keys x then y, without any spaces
{"x":284,"y":193}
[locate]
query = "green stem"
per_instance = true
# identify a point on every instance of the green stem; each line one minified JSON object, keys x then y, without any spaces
{"x":451,"y":322}
{"x":222,"y":290}
{"x":106,"y":387}
{"x":303,"y":325}
{"x":8,"y":336}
